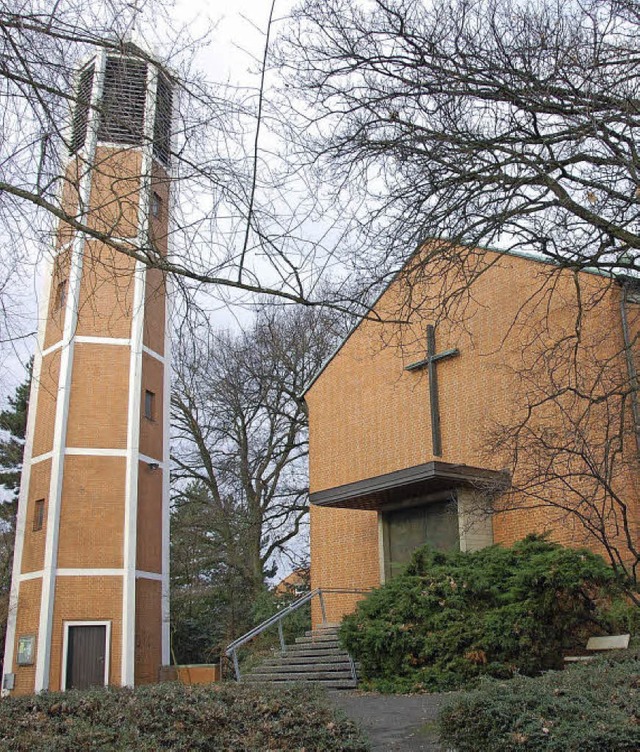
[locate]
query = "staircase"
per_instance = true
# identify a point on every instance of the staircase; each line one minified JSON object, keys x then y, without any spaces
{"x":316,"y":657}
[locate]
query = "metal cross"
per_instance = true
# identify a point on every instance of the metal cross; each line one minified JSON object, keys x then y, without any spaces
{"x":430,"y":362}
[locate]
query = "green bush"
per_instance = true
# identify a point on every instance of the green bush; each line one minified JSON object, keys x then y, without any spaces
{"x":623,"y":617}
{"x":587,"y":708}
{"x":224,"y":718}
{"x":452,"y":617}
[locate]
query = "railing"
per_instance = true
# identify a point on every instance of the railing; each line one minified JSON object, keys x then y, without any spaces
{"x":231,"y":651}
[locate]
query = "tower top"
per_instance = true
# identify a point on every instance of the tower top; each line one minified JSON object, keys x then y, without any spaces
{"x":128,"y":97}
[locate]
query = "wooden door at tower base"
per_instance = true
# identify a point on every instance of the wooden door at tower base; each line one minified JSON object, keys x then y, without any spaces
{"x":434,"y":523}
{"x":86,"y":656}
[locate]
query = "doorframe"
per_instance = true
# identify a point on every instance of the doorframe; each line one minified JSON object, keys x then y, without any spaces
{"x":65,"y":647}
{"x":383,"y":524}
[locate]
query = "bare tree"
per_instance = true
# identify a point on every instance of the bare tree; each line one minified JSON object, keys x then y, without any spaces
{"x":571,"y":441}
{"x":240,"y":437}
{"x":476,"y":122}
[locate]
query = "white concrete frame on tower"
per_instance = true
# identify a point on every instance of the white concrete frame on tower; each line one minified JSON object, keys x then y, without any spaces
{"x":129,"y":572}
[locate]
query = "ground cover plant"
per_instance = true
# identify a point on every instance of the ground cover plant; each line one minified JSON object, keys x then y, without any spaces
{"x":224,"y":718}
{"x":587,"y":708}
{"x":453,"y":617}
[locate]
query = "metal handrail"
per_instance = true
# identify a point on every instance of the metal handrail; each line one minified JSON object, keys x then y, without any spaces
{"x":231,"y":651}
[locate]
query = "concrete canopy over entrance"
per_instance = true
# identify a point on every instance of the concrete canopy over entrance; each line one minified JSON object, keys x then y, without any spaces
{"x":409,"y":485}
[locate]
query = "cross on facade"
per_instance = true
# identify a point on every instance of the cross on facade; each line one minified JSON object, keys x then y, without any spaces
{"x":430,"y":363}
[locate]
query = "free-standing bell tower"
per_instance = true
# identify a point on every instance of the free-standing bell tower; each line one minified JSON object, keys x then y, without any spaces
{"x":89,"y":597}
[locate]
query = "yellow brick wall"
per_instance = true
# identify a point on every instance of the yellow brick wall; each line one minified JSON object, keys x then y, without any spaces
{"x":34,"y":540}
{"x":55,"y":320}
{"x":70,"y":198}
{"x":149,"y":544}
{"x":27,"y":620}
{"x":370,"y":417}
{"x":105,"y":305}
{"x":113,"y":206}
{"x":344,"y":554}
{"x":99,"y":397}
{"x":154,"y":311}
{"x":92,"y":512}
{"x":160,"y":183}
{"x":46,"y":407}
{"x":148,"y":631}
{"x":151,"y":431}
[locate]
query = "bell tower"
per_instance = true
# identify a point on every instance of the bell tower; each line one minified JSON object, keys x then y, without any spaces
{"x":89,"y":596}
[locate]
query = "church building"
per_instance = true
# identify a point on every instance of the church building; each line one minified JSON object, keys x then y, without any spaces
{"x":89,"y":594}
{"x":488,"y":395}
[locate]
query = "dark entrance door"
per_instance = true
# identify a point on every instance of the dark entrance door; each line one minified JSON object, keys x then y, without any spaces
{"x":86,"y":654}
{"x":435,"y":523}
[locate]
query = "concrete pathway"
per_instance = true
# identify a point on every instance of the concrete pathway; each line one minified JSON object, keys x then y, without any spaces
{"x":394,"y":723}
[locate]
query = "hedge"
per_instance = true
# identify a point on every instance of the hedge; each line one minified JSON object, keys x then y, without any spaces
{"x":586,"y":708}
{"x":225,"y":718}
{"x":453,"y":617}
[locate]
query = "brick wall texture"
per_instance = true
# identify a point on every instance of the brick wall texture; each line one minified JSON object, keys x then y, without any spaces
{"x":524,"y":330}
{"x":92,"y":521}
{"x":148,"y":631}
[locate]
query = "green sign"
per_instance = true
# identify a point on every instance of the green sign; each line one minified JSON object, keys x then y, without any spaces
{"x":26,"y":650}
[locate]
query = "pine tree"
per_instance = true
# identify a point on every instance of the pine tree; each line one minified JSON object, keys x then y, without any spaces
{"x":13,"y":424}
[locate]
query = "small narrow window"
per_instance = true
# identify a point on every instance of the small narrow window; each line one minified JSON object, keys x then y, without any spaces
{"x":38,"y":515}
{"x":156,"y":205}
{"x":149,"y":405}
{"x":61,"y":295}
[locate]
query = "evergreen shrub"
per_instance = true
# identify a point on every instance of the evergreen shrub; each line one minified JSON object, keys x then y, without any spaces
{"x":220,"y":717}
{"x":453,"y":617}
{"x":591,"y":707}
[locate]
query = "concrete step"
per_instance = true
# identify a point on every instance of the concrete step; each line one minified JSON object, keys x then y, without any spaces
{"x":322,"y":631}
{"x":305,"y":642}
{"x":317,"y":658}
{"x":292,"y":676}
{"x":329,"y":683}
{"x":301,"y":667}
{"x":310,"y":652}
{"x":299,"y":658}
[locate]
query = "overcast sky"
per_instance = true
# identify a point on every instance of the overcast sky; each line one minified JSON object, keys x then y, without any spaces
{"x":238,"y":34}
{"x":232,"y":54}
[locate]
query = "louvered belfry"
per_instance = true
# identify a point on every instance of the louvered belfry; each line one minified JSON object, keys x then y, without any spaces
{"x":122,"y":108}
{"x":89,"y":594}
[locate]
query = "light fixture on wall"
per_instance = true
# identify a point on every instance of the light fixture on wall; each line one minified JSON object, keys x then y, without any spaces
{"x":153,"y":465}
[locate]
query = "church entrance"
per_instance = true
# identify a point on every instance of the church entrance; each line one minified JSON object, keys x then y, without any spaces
{"x":433,"y":522}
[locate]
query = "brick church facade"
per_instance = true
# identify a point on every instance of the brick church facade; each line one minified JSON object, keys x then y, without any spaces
{"x":452,"y":415}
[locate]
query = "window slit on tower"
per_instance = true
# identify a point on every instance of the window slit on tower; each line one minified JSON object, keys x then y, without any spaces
{"x":149,"y":405}
{"x":38,"y":515}
{"x":60,"y":296}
